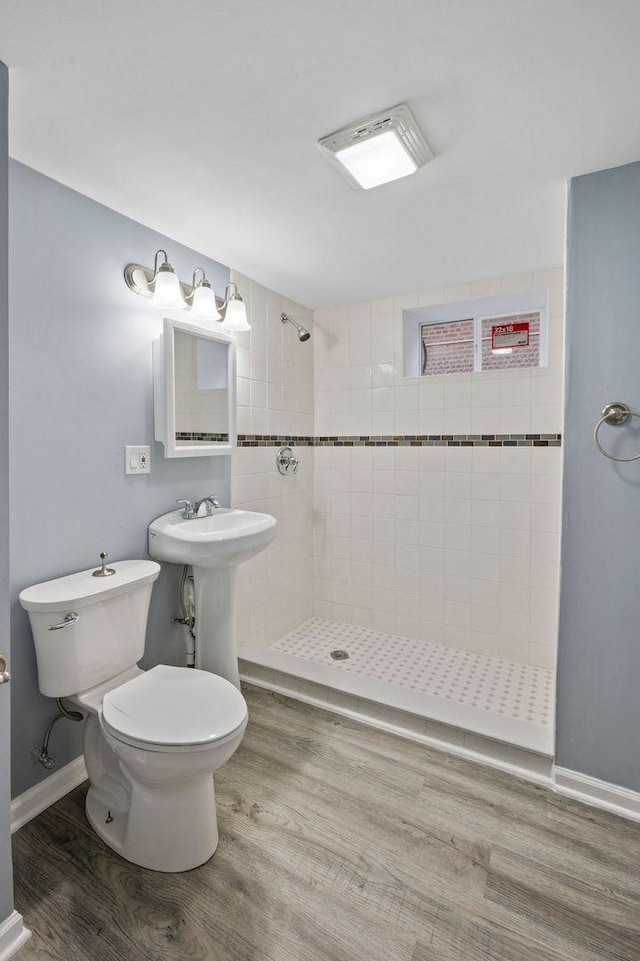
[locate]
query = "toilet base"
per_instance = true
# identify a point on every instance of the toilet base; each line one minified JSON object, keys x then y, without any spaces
{"x":155,"y":843}
{"x":153,"y":809}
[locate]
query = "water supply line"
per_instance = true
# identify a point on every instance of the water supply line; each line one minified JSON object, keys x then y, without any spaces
{"x":188,"y":614}
{"x":41,"y":754}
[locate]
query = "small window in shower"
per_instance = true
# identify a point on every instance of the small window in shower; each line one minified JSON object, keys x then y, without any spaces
{"x":505,"y":332}
{"x":448,"y":348}
{"x":510,"y":342}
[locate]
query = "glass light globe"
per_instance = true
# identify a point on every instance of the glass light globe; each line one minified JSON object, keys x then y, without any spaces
{"x":235,"y":317}
{"x":203,"y":304}
{"x":166,"y":291}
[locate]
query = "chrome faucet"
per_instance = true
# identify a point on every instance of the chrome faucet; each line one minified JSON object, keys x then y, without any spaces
{"x":206,"y":506}
{"x":201,"y":508}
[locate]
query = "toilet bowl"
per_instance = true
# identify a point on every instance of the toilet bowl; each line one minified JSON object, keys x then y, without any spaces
{"x":152,"y":738}
{"x":151,"y":746}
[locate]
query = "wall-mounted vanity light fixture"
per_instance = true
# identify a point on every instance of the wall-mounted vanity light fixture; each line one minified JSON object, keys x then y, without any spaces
{"x":163,"y":287}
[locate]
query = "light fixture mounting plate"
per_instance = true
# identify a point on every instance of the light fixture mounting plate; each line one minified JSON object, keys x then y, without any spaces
{"x":139,"y":279}
{"x":399,"y":120}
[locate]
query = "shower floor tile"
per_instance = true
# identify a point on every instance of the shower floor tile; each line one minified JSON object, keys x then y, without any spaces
{"x":517,"y":691}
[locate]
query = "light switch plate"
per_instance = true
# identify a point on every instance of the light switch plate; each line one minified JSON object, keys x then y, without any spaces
{"x":137,"y":460}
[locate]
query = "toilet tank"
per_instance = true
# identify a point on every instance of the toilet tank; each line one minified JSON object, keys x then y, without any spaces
{"x":88,"y":629}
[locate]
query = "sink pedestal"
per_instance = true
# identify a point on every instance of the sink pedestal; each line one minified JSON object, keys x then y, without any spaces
{"x":213,"y":546}
{"x":216,"y":649}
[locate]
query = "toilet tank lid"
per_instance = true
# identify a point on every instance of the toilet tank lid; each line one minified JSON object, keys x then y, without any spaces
{"x":82,"y":589}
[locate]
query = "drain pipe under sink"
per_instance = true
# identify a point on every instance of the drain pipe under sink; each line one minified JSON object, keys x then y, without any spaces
{"x":188,"y":618}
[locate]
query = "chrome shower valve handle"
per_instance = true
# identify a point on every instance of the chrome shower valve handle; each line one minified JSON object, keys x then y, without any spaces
{"x":5,"y":673}
{"x":287,"y":461}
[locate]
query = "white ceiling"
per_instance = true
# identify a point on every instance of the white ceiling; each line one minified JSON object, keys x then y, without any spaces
{"x":200,"y":119}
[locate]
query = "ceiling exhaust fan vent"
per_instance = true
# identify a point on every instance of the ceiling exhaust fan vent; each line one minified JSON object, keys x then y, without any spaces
{"x":384,"y":146}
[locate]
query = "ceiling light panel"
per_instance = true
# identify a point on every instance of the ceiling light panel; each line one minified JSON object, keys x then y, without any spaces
{"x":382,"y":147}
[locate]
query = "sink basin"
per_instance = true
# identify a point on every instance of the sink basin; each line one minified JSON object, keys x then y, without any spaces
{"x":223,"y":539}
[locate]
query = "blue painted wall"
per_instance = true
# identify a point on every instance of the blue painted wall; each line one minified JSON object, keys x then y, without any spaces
{"x":80,"y":389}
{"x":6,"y":881}
{"x":598,"y":712}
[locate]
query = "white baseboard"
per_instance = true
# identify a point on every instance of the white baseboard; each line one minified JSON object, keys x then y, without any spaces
{"x":38,"y":798}
{"x":13,"y":935}
{"x":596,"y":793}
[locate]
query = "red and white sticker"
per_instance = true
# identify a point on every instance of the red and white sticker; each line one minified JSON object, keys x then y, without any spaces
{"x":509,"y":335}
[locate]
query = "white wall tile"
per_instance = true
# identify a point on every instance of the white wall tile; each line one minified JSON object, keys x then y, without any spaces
{"x":274,"y":374}
{"x":485,"y":420}
{"x":485,"y":393}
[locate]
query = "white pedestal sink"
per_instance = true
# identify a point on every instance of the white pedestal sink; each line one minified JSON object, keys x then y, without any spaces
{"x":214,"y":546}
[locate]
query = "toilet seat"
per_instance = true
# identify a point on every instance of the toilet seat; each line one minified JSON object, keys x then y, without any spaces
{"x":174,"y":709}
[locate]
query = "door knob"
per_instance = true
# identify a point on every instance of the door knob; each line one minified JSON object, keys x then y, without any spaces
{"x":5,"y":676}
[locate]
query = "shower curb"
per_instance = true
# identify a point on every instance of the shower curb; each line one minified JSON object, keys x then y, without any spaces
{"x":539,"y":770}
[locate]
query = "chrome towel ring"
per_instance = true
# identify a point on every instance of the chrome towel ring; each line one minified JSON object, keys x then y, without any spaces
{"x":615,"y":414}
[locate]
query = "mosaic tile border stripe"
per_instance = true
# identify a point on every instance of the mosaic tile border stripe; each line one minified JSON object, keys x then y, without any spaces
{"x":202,"y":435}
{"x":275,"y":440}
{"x":404,"y":440}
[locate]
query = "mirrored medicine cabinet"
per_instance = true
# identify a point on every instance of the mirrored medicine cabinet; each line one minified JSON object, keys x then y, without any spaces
{"x":194,"y":390}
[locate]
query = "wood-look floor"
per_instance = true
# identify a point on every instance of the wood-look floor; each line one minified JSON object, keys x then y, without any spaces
{"x":340,"y":843}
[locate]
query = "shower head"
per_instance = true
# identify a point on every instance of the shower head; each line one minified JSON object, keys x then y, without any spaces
{"x":303,"y":333}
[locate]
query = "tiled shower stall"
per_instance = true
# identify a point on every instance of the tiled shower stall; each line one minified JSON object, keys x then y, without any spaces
{"x":421,"y":532}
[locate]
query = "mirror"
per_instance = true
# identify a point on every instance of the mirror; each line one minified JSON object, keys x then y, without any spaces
{"x":194,"y":390}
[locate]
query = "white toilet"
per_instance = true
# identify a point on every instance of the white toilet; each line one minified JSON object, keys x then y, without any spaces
{"x":152,"y":738}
